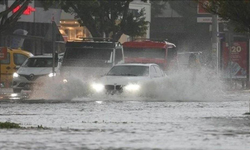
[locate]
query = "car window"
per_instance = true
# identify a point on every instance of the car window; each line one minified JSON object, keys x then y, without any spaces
{"x":129,"y":71}
{"x":39,"y":62}
{"x":88,"y":57}
{"x":118,"y":55}
{"x":7,"y":60}
{"x":19,"y":59}
{"x":88,"y":53}
{"x":152,"y":70}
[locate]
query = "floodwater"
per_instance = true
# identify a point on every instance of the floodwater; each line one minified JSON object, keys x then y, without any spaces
{"x":127,"y":125}
{"x":178,"y":119}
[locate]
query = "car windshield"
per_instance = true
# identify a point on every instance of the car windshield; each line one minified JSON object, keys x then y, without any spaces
{"x":129,"y":71}
{"x":39,"y":62}
{"x":89,"y":53}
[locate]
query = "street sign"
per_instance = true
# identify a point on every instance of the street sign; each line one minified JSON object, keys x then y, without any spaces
{"x":200,"y":8}
{"x":3,"y":53}
{"x":234,"y":60}
{"x":208,"y":20}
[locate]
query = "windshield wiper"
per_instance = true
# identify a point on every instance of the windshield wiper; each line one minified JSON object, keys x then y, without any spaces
{"x":113,"y":74}
{"x":128,"y":74}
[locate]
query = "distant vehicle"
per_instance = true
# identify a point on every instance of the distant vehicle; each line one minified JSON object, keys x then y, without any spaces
{"x":147,"y":51}
{"x":34,"y":71}
{"x":127,"y":78}
{"x":90,"y":59}
{"x":183,"y":58}
{"x":15,"y":58}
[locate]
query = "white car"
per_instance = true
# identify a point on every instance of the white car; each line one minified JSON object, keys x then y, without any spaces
{"x":127,"y":78}
{"x":35,"y":70}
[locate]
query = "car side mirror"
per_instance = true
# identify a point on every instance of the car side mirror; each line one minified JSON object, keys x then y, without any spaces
{"x":110,"y":59}
{"x":17,"y":67}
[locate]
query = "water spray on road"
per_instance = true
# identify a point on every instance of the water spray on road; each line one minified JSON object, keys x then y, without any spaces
{"x":180,"y":85}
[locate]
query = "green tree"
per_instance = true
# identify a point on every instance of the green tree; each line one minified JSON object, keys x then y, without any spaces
{"x":7,"y":18}
{"x":235,"y":11}
{"x":105,"y":17}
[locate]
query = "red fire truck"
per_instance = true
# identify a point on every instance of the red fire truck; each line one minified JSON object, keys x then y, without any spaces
{"x":162,"y":53}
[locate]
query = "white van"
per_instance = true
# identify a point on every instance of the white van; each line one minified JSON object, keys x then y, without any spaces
{"x":34,"y":71}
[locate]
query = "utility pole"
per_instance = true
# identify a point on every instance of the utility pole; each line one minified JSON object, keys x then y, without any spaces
{"x":53,"y":45}
{"x":215,"y":50}
{"x":229,"y":44}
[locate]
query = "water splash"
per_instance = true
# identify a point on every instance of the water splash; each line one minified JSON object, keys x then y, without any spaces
{"x":186,"y":85}
{"x":181,"y":85}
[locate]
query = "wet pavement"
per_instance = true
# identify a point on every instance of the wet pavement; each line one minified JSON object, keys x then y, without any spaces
{"x":87,"y":123}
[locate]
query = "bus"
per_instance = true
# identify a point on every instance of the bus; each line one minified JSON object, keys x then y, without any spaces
{"x":162,"y":53}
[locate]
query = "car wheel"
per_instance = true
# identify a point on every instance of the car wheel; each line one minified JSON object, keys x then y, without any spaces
{"x":17,"y":90}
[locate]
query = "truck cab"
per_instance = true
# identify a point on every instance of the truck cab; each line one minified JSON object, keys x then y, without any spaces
{"x":90,"y":59}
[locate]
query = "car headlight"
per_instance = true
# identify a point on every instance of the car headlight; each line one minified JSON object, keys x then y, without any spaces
{"x":65,"y":80}
{"x":15,"y":75}
{"x":52,"y":75}
{"x":132,"y":87}
{"x":98,"y":87}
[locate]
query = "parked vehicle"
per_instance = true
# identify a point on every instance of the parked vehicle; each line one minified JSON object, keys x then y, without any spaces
{"x":34,"y":71}
{"x":87,"y":59}
{"x":128,"y":78}
{"x":14,"y":59}
{"x":162,"y":53}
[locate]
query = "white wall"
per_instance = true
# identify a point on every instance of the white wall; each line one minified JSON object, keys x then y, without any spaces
{"x":39,"y":15}
{"x":169,"y":12}
{"x":43,"y":16}
{"x":25,"y":18}
{"x":67,"y":16}
{"x":142,"y":5}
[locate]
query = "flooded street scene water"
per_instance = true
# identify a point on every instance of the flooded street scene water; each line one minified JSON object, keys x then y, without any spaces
{"x":124,"y":75}
{"x":178,"y":114}
{"x":126,"y":124}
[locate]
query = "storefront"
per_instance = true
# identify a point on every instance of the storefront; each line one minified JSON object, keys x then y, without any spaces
{"x":71,"y":30}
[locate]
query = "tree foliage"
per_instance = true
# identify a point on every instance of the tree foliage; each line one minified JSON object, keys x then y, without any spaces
{"x":8,"y":19}
{"x":235,"y":11}
{"x":105,"y":17}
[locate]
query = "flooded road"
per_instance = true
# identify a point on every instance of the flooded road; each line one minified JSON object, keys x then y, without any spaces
{"x":127,"y":124}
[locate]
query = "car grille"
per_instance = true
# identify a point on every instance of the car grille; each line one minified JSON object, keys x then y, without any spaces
{"x":32,"y":78}
{"x":113,"y":88}
{"x":28,"y":86}
{"x":22,"y":84}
